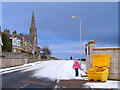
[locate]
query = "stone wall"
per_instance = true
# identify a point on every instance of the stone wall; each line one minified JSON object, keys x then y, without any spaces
{"x":8,"y":62}
{"x":17,"y":55}
{"x":114,"y":58}
{"x":45,"y":57}
{"x":32,"y":60}
{"x":113,"y":70}
{"x":14,"y":59}
{"x":90,"y":46}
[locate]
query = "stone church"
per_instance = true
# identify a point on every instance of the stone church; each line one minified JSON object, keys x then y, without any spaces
{"x":33,"y":32}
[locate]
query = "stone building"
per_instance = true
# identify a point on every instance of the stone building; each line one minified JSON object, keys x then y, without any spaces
{"x":25,"y":42}
{"x":17,"y":41}
{"x":114,"y":58}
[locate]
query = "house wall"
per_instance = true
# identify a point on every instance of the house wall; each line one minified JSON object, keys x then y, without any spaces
{"x":114,"y":60}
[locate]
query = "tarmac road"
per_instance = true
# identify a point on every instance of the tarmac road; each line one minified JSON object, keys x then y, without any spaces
{"x":23,"y":80}
{"x":18,"y":80}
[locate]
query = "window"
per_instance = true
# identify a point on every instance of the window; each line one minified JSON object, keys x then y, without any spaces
{"x":18,"y":42}
{"x":43,"y":57}
{"x":14,"y":41}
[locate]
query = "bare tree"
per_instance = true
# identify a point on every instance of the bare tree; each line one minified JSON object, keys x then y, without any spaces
{"x":46,"y":50}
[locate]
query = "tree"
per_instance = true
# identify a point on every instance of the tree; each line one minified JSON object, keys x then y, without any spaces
{"x":7,"y":44}
{"x":46,"y":50}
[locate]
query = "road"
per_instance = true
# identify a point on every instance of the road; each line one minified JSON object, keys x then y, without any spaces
{"x":56,"y":71}
{"x":19,"y":80}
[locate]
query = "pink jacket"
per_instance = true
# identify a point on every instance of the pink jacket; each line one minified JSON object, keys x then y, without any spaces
{"x":76,"y":65}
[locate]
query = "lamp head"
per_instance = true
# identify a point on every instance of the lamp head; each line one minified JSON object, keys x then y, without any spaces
{"x":74,"y":16}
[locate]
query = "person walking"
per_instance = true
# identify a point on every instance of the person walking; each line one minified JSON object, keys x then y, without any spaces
{"x":71,"y":58}
{"x":76,"y":66}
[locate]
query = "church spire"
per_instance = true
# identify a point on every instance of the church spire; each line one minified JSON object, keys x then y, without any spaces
{"x":33,"y":21}
{"x":33,"y":30}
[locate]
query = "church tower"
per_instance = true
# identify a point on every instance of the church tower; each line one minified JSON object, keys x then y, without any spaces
{"x":33,"y":32}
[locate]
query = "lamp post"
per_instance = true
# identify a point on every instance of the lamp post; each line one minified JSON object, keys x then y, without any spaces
{"x":80,"y":27}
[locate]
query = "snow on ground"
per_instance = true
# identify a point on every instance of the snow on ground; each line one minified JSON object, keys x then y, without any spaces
{"x":21,"y":67}
{"x":62,"y":69}
{"x":107,"y":84}
{"x":56,"y":70}
{"x":51,"y":70}
{"x":59,"y":69}
{"x":69,"y":72}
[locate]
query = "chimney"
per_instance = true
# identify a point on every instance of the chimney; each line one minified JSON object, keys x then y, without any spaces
{"x":21,"y":34}
{"x":6,"y":31}
{"x":14,"y":32}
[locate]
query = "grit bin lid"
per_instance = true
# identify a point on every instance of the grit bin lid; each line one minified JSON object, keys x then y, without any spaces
{"x":102,"y":60}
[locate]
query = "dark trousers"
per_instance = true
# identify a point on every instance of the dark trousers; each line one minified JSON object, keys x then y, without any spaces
{"x":76,"y":72}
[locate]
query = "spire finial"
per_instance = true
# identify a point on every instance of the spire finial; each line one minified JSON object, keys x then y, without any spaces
{"x":33,"y":21}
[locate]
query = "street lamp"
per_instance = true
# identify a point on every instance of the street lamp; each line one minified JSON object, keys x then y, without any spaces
{"x":80,"y":27}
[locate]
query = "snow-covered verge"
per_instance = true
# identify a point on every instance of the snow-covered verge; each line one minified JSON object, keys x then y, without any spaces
{"x":107,"y":84}
{"x":21,"y":67}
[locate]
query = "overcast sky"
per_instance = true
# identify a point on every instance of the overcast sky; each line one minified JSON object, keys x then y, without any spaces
{"x":57,"y":30}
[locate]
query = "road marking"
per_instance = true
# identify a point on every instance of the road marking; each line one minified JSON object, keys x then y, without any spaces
{"x":22,"y":86}
{"x":56,"y":86}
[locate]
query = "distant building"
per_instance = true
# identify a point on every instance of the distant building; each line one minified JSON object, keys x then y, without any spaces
{"x":45,"y":57}
{"x":114,"y":58}
{"x":54,"y":58}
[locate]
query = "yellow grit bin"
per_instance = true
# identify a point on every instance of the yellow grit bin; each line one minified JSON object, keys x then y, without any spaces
{"x":100,"y":67}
